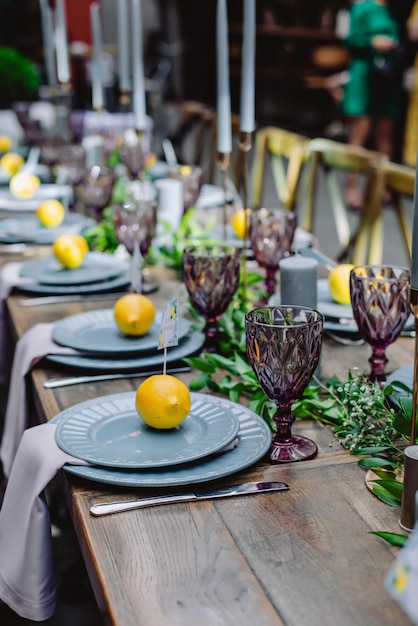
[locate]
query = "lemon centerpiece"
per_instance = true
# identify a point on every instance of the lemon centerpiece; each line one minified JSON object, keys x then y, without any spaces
{"x":70,"y":250}
{"x":24,"y":185}
{"x":239,"y":223}
{"x":339,"y":283}
{"x":50,"y":213}
{"x":162,"y":401}
{"x":11,"y":162}
{"x":134,"y":314}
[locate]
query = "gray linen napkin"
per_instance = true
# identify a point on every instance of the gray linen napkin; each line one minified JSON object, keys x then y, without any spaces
{"x":30,"y":348}
{"x":27,"y":576}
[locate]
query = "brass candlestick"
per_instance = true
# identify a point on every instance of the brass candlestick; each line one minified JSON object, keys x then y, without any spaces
{"x":125,"y":100}
{"x":244,"y":146}
{"x":413,"y":302}
{"x":223,"y":160}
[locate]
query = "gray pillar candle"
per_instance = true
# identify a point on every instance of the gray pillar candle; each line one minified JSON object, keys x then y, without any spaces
{"x":298,"y":281}
{"x":410,"y":488}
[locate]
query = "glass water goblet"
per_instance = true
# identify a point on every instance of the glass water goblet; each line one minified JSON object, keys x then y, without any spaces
{"x":211,"y":275}
{"x":283,"y":347}
{"x":96,"y":189}
{"x":271,"y":237}
{"x":134,"y":151}
{"x":380,"y":302}
{"x":135,"y":222}
{"x":191,"y":177}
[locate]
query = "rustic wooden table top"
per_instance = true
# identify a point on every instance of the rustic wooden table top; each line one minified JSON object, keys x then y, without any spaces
{"x":295,"y":558}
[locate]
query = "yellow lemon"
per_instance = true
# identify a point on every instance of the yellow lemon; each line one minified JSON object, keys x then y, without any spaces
{"x":162,"y":401}
{"x":67,"y":251}
{"x":239,"y":223}
{"x":51,"y":213}
{"x":339,"y":283}
{"x":81,"y":243}
{"x":5,"y":143}
{"x":24,"y":185}
{"x":134,"y":314}
{"x":11,"y":162}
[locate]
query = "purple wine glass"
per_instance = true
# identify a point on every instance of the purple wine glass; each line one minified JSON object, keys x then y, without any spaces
{"x":284,"y":346}
{"x":135,"y":223}
{"x":96,"y":189}
{"x":211,"y":275}
{"x":380,"y":301}
{"x":191,"y":177}
{"x":271,"y":237}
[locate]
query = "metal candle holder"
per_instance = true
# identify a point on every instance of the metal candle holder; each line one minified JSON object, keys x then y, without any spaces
{"x":222,"y":161}
{"x":413,"y":302}
{"x":244,"y":146}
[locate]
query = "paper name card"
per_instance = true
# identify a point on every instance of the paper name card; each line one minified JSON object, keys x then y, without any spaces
{"x":169,"y":325}
{"x":402,"y":580}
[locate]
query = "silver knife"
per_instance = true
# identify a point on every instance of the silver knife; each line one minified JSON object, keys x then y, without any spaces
{"x":106,"y":508}
{"x":70,"y":298}
{"x":54,"y":383}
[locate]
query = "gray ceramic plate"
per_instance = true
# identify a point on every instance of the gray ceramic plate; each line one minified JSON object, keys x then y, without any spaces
{"x":9,"y":202}
{"x":96,"y":331}
{"x":254,"y":442}
{"x":29,"y":229}
{"x":108,"y":432}
{"x":119,"y":282}
{"x":96,"y":266}
{"x":191,"y":345}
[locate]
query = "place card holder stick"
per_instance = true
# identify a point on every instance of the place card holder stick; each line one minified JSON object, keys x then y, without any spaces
{"x":223,"y":161}
{"x":244,"y":146}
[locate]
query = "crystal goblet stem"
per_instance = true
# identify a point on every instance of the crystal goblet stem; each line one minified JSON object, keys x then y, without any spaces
{"x":283,"y":347}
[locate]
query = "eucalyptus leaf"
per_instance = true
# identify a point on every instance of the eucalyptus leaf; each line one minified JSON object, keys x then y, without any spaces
{"x":386,"y":496}
{"x":395,"y":539}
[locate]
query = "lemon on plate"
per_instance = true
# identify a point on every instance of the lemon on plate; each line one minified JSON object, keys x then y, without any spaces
{"x":51,"y":213}
{"x":339,"y":283}
{"x":239,"y":223}
{"x":11,"y":162}
{"x":5,"y":143}
{"x":69,"y":250}
{"x":24,"y":185}
{"x":163,"y":401}
{"x":134,"y":314}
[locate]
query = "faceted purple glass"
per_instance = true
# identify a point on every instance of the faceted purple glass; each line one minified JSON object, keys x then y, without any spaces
{"x":283,"y":347}
{"x":271,"y":237}
{"x":192,"y":177}
{"x":380,"y":301}
{"x":211,"y":275}
{"x":135,"y":221}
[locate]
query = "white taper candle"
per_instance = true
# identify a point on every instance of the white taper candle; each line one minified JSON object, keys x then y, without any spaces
{"x":123,"y":46}
{"x":224,"y":141}
{"x":61,"y":42}
{"x":95,"y":62}
{"x":138,"y":67}
{"x":247,"y":115}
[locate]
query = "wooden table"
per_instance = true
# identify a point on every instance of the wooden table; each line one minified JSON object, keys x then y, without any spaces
{"x":301,"y":557}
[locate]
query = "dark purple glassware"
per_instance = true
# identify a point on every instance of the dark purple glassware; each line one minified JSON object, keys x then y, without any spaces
{"x":271,"y":236}
{"x":380,"y":301}
{"x":284,"y":346}
{"x":211,"y":275}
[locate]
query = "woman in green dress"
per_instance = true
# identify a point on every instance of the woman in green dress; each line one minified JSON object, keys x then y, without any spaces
{"x":371,"y":100}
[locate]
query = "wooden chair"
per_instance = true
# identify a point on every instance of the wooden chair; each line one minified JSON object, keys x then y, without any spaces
{"x":195,"y":140}
{"x":287,"y":153}
{"x":333,"y":157}
{"x":399,"y":180}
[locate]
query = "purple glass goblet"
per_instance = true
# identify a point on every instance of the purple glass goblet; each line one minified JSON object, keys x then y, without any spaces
{"x":283,"y":346}
{"x":134,"y":151}
{"x":96,"y":189}
{"x":211,"y":275}
{"x":380,"y":301}
{"x":271,"y":237}
{"x":135,"y":221}
{"x":191,"y":177}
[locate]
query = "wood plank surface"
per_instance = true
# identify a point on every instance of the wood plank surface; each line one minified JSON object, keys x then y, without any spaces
{"x":299,"y":558}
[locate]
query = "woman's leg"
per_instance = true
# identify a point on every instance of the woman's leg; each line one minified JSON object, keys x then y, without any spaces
{"x":359,"y":133}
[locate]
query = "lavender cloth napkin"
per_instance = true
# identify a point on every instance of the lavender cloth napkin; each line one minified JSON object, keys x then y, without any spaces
{"x":27,"y":575}
{"x":30,"y":348}
{"x":9,"y":278}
